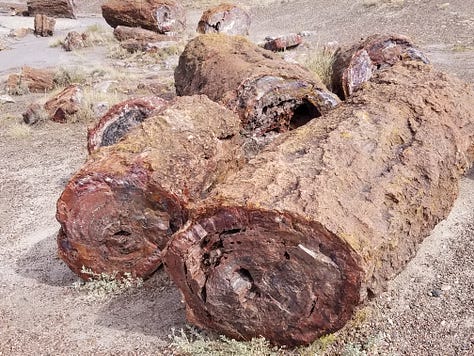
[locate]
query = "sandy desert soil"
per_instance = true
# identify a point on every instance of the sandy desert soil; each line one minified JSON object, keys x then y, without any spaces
{"x":427,"y":310}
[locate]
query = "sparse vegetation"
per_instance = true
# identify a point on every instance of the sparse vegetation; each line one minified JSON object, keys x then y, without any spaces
{"x":102,"y":286}
{"x":320,"y":62}
{"x":19,"y":130}
{"x":195,"y":344}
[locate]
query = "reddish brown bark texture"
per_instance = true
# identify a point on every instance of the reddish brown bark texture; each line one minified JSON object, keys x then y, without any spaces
{"x":225,"y":18}
{"x":65,"y":104}
{"x":33,"y":79}
{"x":44,"y":25}
{"x":355,"y":65}
{"x":327,"y":213}
{"x":118,"y":212}
{"x":268,"y":93}
{"x":162,"y":16}
{"x":54,"y":8}
{"x":120,"y":119}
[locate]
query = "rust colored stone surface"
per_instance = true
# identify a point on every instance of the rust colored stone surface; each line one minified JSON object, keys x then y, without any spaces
{"x":327,"y":213}
{"x":120,"y":119}
{"x":282,"y":43}
{"x":65,"y":104}
{"x":162,"y":16}
{"x":355,"y":65}
{"x":225,"y":18}
{"x":53,"y":8}
{"x":34,"y":80}
{"x":119,"y":210}
{"x":268,"y":93}
{"x":44,"y":25}
{"x":74,"y":40}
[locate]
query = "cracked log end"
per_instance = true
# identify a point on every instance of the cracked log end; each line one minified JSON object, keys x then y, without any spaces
{"x":249,"y":272}
{"x":120,"y":119}
{"x":272,"y":103}
{"x":116,"y":223}
{"x":225,"y":18}
{"x":356,"y":65}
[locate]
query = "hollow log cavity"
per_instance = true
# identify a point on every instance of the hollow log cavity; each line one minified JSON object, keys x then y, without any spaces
{"x":326,"y":214}
{"x":118,"y":212}
{"x":268,"y":93}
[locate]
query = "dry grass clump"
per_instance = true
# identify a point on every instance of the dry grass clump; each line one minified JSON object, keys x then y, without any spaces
{"x":191,"y":342}
{"x":19,"y":130}
{"x":320,"y":62}
{"x":94,"y":103}
{"x":102,"y":286}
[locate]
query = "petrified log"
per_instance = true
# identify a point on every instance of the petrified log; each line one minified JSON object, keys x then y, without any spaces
{"x":268,"y":93}
{"x":355,"y":65}
{"x":34,"y":80}
{"x":162,"y":16}
{"x":74,"y":40}
{"x":44,"y":25}
{"x":225,"y":18}
{"x":34,"y":113}
{"x":120,"y":119}
{"x":53,"y":8}
{"x":282,"y":43}
{"x":118,"y":212}
{"x":289,"y":245}
{"x":65,"y":104}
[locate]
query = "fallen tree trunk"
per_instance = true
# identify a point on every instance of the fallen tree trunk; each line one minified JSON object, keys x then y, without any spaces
{"x":120,"y":119}
{"x":162,"y":16}
{"x":53,"y":8}
{"x":268,"y":93}
{"x":288,"y":246}
{"x":118,"y":212}
{"x":225,"y":18}
{"x":355,"y":65}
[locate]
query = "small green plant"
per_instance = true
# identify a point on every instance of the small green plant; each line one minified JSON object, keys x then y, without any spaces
{"x":319,"y":346}
{"x":102,"y":285}
{"x":195,"y":344}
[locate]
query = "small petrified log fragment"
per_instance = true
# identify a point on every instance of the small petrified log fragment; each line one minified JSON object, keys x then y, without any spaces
{"x":44,"y":25}
{"x":32,"y":80}
{"x":53,"y":8}
{"x":356,"y":65}
{"x":282,"y":43}
{"x":225,"y":18}
{"x":120,"y":119}
{"x":289,"y":245}
{"x":118,"y":212}
{"x":268,"y":93}
{"x":65,"y":104}
{"x":74,"y":40}
{"x":162,"y":16}
{"x":34,"y":114}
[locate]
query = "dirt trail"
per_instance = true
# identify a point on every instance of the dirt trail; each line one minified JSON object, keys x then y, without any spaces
{"x":428,"y":309}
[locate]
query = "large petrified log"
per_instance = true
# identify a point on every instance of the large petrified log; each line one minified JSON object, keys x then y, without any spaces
{"x":288,"y":246}
{"x":53,"y":8}
{"x":355,"y":65}
{"x":120,"y":119}
{"x":225,"y":18}
{"x":118,"y":212}
{"x":268,"y":93}
{"x":162,"y":16}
